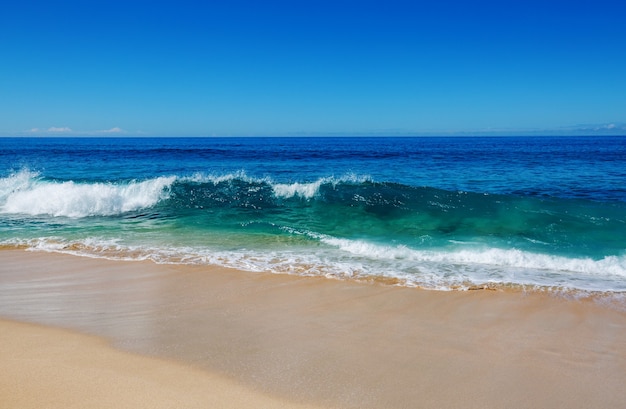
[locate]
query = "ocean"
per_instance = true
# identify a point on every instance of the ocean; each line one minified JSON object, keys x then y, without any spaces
{"x":441,"y":213}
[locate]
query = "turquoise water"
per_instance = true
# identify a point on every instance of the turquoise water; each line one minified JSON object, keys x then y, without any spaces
{"x":440,"y":213}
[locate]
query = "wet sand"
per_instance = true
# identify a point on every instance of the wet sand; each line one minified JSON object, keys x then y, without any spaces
{"x":294,"y":340}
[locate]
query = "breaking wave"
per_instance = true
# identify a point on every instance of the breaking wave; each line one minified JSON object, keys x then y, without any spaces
{"x":26,"y":193}
{"x":345,"y":227}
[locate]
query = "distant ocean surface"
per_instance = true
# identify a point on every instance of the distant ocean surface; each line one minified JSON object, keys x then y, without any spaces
{"x":539,"y":213}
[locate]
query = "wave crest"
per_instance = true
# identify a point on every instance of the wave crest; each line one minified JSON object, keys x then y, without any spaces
{"x":310,"y":190}
{"x":305,"y":190}
{"x":25,"y":193}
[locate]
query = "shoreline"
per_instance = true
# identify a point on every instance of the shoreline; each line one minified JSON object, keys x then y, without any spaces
{"x":327,"y":342}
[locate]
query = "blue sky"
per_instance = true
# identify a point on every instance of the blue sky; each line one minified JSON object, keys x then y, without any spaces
{"x":338,"y":67}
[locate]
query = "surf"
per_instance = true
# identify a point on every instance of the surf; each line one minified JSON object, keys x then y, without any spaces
{"x":454,"y":268}
{"x":26,"y":193}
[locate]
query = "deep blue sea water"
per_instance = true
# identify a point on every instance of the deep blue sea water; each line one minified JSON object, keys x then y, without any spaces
{"x":545,"y":213}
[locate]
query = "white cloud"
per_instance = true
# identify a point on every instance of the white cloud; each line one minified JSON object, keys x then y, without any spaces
{"x":61,"y":129}
{"x":113,"y":130}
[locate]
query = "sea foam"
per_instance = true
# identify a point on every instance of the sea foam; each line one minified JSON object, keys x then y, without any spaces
{"x":356,"y":259}
{"x":610,"y":265}
{"x":26,"y":193}
{"x":305,"y":190}
{"x":309,"y":190}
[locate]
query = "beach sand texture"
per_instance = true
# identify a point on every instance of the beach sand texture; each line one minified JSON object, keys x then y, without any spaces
{"x":199,"y":336}
{"x":51,"y":368}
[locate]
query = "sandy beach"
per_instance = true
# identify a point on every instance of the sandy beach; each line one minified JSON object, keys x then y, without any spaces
{"x":51,"y":368}
{"x":83,"y":332}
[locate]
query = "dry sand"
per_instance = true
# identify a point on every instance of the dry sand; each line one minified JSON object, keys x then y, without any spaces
{"x":211,"y":334}
{"x":50,"y":368}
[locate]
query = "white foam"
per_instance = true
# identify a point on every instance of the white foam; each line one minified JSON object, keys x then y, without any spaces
{"x":24,"y":193}
{"x":16,"y":182}
{"x":351,"y":259}
{"x":311,"y":189}
{"x":222,"y":178}
{"x":305,"y":190}
{"x":612,"y":265}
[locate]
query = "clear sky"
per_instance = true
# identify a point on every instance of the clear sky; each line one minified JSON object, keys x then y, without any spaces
{"x":233,"y":67}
